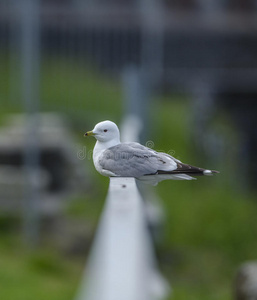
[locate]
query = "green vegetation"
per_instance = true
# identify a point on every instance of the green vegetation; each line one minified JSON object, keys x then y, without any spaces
{"x":42,"y":275}
{"x":209,"y":230}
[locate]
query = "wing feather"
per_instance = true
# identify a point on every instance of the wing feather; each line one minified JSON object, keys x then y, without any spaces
{"x":135,"y":160}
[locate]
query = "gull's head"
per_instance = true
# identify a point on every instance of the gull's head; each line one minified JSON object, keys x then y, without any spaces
{"x":105,"y":131}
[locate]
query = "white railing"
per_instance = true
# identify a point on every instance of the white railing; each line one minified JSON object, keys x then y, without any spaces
{"x":121,"y":265}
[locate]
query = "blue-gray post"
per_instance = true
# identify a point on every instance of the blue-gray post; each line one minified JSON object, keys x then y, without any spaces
{"x":152,"y":29}
{"x":30,"y":61}
{"x":139,"y":82}
{"x":135,"y":98}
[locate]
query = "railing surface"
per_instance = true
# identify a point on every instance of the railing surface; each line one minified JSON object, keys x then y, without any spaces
{"x":122,"y":264}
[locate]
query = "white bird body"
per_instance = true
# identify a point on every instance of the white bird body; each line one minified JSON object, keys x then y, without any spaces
{"x":113,"y":158}
{"x":97,"y":153}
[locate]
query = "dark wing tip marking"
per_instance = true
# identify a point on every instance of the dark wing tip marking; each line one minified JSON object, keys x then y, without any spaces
{"x":214,"y":171}
{"x":187,"y":169}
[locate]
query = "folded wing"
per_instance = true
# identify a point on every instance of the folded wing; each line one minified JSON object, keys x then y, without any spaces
{"x":135,"y":160}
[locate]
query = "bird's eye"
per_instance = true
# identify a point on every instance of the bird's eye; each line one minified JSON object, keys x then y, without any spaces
{"x":105,"y":130}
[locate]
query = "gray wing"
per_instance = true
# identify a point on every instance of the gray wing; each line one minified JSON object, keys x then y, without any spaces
{"x":135,"y":160}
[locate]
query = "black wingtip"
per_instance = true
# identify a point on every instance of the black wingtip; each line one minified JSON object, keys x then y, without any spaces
{"x":209,"y":172}
{"x":214,"y":171}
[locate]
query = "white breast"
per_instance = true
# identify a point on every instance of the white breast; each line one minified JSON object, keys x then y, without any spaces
{"x":97,"y":153}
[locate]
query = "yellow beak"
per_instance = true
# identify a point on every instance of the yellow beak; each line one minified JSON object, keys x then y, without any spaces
{"x":89,"y":133}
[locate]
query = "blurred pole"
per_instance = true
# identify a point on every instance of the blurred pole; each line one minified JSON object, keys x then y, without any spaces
{"x":138,"y":83}
{"x":30,"y":60}
{"x":152,"y":52}
{"x":152,"y":30}
{"x":14,"y":84}
{"x":135,"y":99}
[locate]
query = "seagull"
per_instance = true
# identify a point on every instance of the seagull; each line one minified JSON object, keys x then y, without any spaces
{"x":115,"y":159}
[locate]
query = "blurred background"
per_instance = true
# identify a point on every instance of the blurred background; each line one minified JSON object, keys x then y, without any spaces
{"x":188,"y":70}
